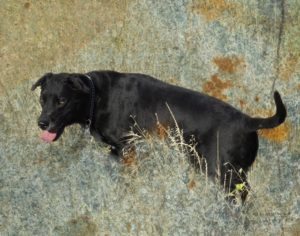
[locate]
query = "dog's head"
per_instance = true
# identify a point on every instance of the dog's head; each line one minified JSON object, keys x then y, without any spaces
{"x":64,"y":100}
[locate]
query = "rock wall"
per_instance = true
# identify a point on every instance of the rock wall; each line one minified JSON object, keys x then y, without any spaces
{"x":236,"y":50}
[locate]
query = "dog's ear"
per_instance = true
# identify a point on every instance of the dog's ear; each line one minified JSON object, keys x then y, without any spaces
{"x":77,"y":83}
{"x":41,"y":81}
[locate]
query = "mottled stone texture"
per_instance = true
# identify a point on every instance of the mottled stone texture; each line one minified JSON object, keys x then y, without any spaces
{"x":236,"y":50}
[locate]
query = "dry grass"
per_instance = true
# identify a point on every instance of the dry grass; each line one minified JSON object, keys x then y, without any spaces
{"x":74,"y":187}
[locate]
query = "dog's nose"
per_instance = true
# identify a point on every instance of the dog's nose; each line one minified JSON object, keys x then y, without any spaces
{"x":43,"y":124}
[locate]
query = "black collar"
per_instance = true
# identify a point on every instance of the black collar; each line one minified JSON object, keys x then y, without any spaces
{"x":92,"y":99}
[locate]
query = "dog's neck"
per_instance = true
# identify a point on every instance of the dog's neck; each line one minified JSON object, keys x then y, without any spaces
{"x":92,"y":101}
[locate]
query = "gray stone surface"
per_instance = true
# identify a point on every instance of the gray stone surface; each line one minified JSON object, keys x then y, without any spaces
{"x":233,"y":49}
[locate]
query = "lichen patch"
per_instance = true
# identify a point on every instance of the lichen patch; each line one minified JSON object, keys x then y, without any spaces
{"x":216,"y":87}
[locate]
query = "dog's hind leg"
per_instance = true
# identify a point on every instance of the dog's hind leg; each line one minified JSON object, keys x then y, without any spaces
{"x":234,"y":180}
{"x":238,"y":154}
{"x":227,"y":160}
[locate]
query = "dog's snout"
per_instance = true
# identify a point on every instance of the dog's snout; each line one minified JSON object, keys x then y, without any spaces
{"x":43,"y":124}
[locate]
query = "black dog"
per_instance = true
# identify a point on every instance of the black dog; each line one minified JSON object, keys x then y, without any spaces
{"x":112,"y":102}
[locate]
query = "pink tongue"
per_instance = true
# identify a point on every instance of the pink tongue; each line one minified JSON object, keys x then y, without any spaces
{"x":48,"y":137}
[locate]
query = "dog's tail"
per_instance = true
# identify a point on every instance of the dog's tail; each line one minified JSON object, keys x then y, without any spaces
{"x":254,"y":124}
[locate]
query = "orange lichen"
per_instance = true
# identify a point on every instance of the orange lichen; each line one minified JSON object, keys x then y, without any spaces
{"x":278,"y":134}
{"x":128,"y":226}
{"x":212,"y":9}
{"x":83,"y":218}
{"x":242,"y":103}
{"x":172,"y":80}
{"x":83,"y":225}
{"x":229,"y":64}
{"x":191,"y":184}
{"x":39,"y":161}
{"x":215,"y":87}
{"x":288,"y":66}
{"x":161,"y":131}
{"x":80,"y":30}
{"x":27,"y":5}
{"x":129,"y":157}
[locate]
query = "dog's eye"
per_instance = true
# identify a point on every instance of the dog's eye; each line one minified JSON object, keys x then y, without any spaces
{"x":62,"y":101}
